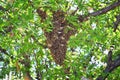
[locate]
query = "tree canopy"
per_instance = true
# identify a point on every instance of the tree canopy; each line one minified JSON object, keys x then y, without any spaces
{"x":60,"y":39}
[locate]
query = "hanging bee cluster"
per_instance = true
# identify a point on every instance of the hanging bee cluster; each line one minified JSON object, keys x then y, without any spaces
{"x":58,"y":37}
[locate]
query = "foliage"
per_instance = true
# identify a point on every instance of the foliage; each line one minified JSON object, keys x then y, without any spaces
{"x":23,"y":42}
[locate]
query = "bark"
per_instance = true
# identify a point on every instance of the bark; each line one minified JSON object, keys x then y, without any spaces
{"x":111,"y":65}
{"x":82,"y":18}
{"x":116,"y":23}
{"x":106,"y":9}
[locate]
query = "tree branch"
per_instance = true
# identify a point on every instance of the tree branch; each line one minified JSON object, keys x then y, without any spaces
{"x":106,"y":9}
{"x":116,"y":23}
{"x":82,"y":18}
{"x":111,"y":65}
{"x":109,"y":61}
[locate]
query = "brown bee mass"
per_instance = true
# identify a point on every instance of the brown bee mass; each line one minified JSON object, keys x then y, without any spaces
{"x":57,"y":38}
